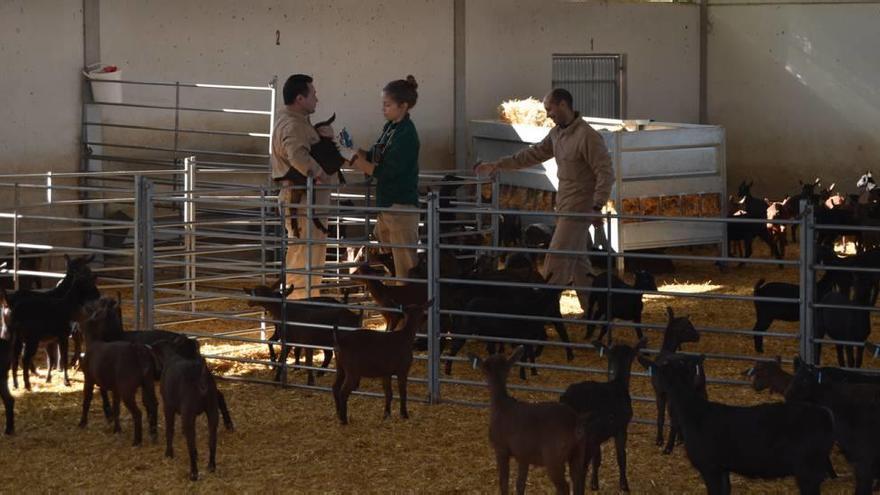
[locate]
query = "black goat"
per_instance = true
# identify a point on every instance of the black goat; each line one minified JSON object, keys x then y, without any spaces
{"x":766,"y":312}
{"x":855,"y":407}
{"x":187,"y":387}
{"x":766,"y":441}
{"x":852,"y":325}
{"x":679,"y":330}
{"x":623,"y":306}
{"x":5,"y":354}
{"x":611,"y":400}
{"x":305,"y":324}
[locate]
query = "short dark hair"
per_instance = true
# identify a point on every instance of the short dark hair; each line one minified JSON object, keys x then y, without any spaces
{"x":296,"y":85}
{"x":559,"y":95}
{"x":403,"y":91}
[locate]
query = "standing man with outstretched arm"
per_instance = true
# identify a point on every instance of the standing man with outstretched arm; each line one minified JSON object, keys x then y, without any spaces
{"x":585,"y":175}
{"x":292,"y":139}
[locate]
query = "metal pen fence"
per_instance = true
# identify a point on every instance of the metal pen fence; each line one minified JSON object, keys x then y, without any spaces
{"x":187,"y":272}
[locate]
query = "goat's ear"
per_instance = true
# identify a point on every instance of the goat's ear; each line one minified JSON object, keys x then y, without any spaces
{"x":66,"y":258}
{"x":749,"y":372}
{"x":642,"y":343}
{"x":831,"y":187}
{"x":670,"y":312}
{"x":645,"y":361}
{"x":428,"y":304}
{"x":475,"y":360}
{"x":817,"y":181}
{"x":797,"y":362}
{"x":778,"y":359}
{"x":517,"y":355}
{"x":90,"y":258}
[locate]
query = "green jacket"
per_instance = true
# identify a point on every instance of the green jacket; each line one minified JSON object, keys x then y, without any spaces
{"x":396,"y":155}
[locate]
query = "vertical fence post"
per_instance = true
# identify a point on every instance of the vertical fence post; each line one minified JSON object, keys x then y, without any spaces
{"x":136,"y":258}
{"x":496,"y":201}
{"x":142,"y":254}
{"x":433,"y":222}
{"x":610,"y":262}
{"x":189,"y":218}
{"x":263,"y":254}
{"x":807,"y":258}
{"x":16,"y":203}
{"x":310,"y":217}
{"x":286,"y":230}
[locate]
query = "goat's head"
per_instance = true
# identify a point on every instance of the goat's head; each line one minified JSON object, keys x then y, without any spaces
{"x":267,"y":292}
{"x":645,"y":281}
{"x":762,"y":372}
{"x":682,"y":370}
{"x":497,"y":366}
{"x":806,"y":381}
{"x":744,"y":190}
{"x":681,"y":327}
{"x":620,"y":356}
{"x":414,"y":315}
{"x":102,"y":321}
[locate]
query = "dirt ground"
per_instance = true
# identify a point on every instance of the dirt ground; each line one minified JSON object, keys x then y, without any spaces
{"x":287,"y":439}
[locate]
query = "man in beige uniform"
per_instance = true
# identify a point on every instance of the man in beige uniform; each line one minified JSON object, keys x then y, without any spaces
{"x":292,"y":138}
{"x":585,"y":178}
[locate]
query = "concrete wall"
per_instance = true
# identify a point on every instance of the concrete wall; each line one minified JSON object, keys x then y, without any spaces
{"x":796,"y":88}
{"x":352,"y":48}
{"x":41,"y":58}
{"x":511,"y":42}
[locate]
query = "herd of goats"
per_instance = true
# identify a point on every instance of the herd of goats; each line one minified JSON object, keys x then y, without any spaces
{"x":822,"y":406}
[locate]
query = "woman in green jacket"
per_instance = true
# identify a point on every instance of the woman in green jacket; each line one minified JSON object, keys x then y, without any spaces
{"x":394,"y":162}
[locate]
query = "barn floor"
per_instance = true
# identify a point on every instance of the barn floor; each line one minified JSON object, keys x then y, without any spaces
{"x":288,"y":439}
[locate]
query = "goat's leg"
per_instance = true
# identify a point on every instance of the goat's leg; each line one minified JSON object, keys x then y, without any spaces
{"x":88,"y":390}
{"x":502,"y":459}
{"x":136,"y":416}
{"x":556,"y":473}
{"x":563,"y":336}
{"x":661,"y":418}
{"x":276,"y":336}
{"x":8,"y":400}
{"x":105,"y":404}
{"x":596,"y":461}
{"x":328,"y":355}
{"x":522,"y":476}
{"x":213,"y":421}
{"x":577,"y":466}
{"x":620,"y":449}
{"x":860,"y":352}
{"x":591,"y":315}
{"x":16,"y":348}
{"x":348,"y":386}
{"x":116,"y":399}
{"x":401,"y":385}
{"x":761,"y":325}
{"x":282,"y":359}
{"x":62,"y":360}
{"x":457,"y":344}
{"x":713,"y":480}
{"x":386,"y":386}
{"x":297,"y":354}
{"x":310,"y":364}
{"x":638,"y":321}
{"x":148,"y":396}
{"x":337,"y":388}
{"x":829,"y":469}
{"x":850,"y":356}
{"x":30,"y":348}
{"x":169,"y":429}
{"x":224,"y":411}
{"x":674,"y":434}
{"x":189,"y":431}
{"x":838,"y":348}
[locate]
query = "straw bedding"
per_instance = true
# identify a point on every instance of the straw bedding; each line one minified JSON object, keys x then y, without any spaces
{"x":289,"y":440}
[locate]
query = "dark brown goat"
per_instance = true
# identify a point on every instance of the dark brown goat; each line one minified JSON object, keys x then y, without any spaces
{"x":5,"y":355}
{"x":679,"y":330}
{"x":547,"y":434}
{"x":391,"y":296}
{"x":769,"y":375}
{"x":372,"y":354}
{"x":300,"y":324}
{"x":188,"y":389}
{"x":120,"y":368}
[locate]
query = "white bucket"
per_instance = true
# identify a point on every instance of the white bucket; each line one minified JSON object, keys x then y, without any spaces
{"x":105,"y":92}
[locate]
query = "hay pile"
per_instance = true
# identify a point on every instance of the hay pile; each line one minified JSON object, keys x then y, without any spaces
{"x":524,"y":112}
{"x":288,"y":439}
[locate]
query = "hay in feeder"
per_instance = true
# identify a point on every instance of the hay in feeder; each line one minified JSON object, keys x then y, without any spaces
{"x":524,"y":112}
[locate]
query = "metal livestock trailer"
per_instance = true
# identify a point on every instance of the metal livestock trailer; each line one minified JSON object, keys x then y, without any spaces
{"x":661,"y":170}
